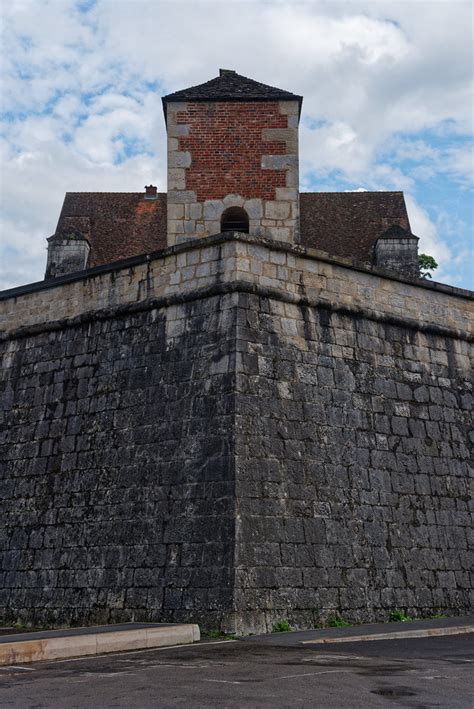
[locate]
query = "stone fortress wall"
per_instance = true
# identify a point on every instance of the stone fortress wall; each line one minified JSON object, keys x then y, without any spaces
{"x":234,"y":430}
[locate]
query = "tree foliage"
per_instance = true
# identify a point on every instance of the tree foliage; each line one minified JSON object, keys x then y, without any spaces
{"x":427,"y":264}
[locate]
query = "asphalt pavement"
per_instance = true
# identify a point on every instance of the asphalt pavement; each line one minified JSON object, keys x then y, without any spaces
{"x":421,"y":672}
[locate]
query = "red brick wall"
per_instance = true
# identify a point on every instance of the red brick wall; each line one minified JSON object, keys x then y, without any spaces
{"x":225,"y":142}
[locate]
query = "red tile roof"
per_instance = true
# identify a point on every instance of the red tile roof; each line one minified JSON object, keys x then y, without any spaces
{"x":122,"y":224}
{"x":116,"y":224}
{"x":349,"y":223}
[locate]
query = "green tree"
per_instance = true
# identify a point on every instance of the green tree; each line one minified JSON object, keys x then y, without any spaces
{"x":427,"y":264}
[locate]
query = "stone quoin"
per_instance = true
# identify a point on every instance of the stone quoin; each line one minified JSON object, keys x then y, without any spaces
{"x":234,"y":403}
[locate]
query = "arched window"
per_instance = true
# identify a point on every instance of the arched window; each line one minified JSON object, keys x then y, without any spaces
{"x":235,"y":219}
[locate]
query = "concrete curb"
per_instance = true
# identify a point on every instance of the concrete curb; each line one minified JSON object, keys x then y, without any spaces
{"x":93,"y":641}
{"x":395,"y":635}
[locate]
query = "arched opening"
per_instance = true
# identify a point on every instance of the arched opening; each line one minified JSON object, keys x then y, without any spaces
{"x":235,"y":219}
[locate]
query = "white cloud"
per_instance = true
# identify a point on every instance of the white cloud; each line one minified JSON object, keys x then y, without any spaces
{"x":460,"y":161}
{"x":320,"y":38}
{"x":430,"y":241}
{"x":333,"y":146}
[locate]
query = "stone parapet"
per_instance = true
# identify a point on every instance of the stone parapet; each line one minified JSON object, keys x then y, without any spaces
{"x":248,"y":264}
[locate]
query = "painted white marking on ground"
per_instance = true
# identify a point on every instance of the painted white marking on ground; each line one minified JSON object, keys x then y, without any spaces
{"x":336,"y":658}
{"x":17,"y":667}
{"x":395,"y":635}
{"x":136,"y":652}
{"x":312,"y":674}
{"x":223,"y":681}
{"x":180,"y":664}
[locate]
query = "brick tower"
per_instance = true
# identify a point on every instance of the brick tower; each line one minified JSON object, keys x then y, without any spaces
{"x":232,"y":159}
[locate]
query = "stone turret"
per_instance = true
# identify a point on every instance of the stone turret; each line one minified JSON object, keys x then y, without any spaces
{"x":397,"y":250}
{"x":68,"y":251}
{"x":232,"y":159}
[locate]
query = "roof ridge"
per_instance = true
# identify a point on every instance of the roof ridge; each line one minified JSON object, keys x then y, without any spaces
{"x":354,"y":192}
{"x":230,"y":86}
{"x":301,"y":192}
{"x":108,"y":192}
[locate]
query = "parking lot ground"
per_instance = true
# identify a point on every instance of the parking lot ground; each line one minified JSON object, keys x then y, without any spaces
{"x":457,"y":625}
{"x":426,"y":672}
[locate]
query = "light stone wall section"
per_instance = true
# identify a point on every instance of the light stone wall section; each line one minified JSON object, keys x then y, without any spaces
{"x":292,"y":272}
{"x":281,"y":215}
{"x":276,"y":219}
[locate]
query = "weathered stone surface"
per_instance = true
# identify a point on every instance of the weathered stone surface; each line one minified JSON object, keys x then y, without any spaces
{"x":175,"y":211}
{"x":68,"y":252}
{"x":279,"y":162}
{"x":289,"y":194}
{"x":123,"y":460}
{"x":213,"y":209}
{"x":233,"y":200}
{"x":195,"y":211}
{"x":177,"y":131}
{"x":400,"y":255}
{"x":178,"y":158}
{"x":239,"y":457}
{"x":254,"y":209}
{"x":365,"y":491}
{"x":290,"y":108}
{"x":176,"y":179}
{"x":181,"y":196}
{"x":277,"y":210}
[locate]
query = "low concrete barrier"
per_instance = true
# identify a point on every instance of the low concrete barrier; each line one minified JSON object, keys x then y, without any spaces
{"x":395,"y":635}
{"x":77,"y":642}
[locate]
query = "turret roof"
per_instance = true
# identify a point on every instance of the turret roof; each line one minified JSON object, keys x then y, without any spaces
{"x":230,"y":86}
{"x":397,"y":232}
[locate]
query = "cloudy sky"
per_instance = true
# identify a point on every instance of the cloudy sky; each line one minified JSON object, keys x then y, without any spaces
{"x":387,"y":104}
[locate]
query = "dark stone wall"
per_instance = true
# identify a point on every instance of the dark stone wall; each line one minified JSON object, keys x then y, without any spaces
{"x":352,"y":468}
{"x":117,"y":486}
{"x":398,"y":254}
{"x":233,"y":460}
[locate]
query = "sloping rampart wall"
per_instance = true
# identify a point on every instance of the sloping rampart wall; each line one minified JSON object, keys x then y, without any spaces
{"x":234,"y":432}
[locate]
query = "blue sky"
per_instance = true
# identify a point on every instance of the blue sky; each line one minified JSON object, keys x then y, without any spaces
{"x":387,"y":104}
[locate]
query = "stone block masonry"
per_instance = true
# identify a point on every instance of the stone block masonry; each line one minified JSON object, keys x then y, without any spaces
{"x":352,"y":481}
{"x":233,"y":431}
{"x":117,"y":489}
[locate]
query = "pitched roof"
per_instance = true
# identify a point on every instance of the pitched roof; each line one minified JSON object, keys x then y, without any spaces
{"x":122,"y":224}
{"x":349,"y":223}
{"x":397,"y":232}
{"x":230,"y":86}
{"x":116,"y":224}
{"x":70,"y":232}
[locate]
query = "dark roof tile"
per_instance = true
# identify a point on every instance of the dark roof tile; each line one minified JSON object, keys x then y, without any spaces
{"x":230,"y":86}
{"x":349,"y":223}
{"x":116,"y":224}
{"x":397,"y":232}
